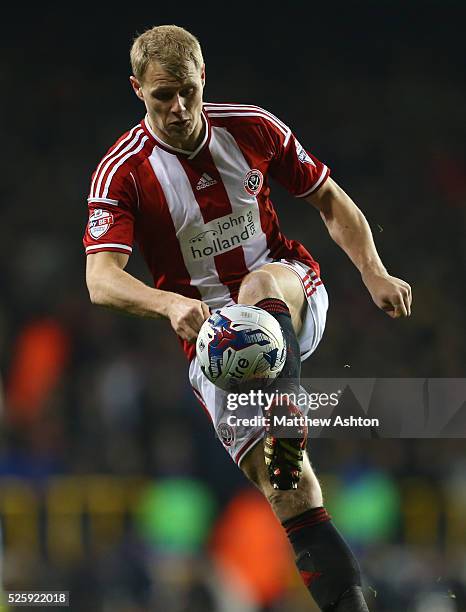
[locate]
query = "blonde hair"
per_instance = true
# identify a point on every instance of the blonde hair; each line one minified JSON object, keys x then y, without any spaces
{"x":171,"y":46}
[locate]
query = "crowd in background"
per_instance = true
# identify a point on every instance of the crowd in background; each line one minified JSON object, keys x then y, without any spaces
{"x":95,"y":404}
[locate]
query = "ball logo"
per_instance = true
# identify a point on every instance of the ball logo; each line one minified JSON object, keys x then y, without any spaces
{"x":99,"y":223}
{"x":253,"y":181}
{"x":226,"y":433}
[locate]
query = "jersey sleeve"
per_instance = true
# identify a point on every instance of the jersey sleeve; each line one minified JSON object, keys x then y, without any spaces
{"x":112,"y":203}
{"x":300,"y":172}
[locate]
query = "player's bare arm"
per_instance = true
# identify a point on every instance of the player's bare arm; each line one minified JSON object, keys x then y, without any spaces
{"x":350,"y":230}
{"x":110,"y":285}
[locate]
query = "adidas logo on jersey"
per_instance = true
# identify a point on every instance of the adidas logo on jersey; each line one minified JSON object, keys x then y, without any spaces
{"x":205,"y":181}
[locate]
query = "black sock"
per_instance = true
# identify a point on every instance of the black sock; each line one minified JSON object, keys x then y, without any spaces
{"x":326,"y":564}
{"x":289,"y":376}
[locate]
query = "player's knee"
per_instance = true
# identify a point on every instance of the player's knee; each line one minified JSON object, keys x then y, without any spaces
{"x":287,"y":504}
{"x":258,"y":285}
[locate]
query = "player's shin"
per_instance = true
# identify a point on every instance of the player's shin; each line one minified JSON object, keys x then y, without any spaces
{"x":291,"y":372}
{"x":326,"y":564}
{"x":284,"y":445}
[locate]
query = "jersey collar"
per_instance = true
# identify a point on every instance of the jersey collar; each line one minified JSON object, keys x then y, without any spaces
{"x":169,"y":148}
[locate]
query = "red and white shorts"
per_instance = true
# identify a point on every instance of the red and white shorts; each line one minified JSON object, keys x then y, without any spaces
{"x":239,"y":439}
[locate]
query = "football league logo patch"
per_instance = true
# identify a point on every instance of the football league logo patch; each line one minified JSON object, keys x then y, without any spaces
{"x":99,"y":223}
{"x":253,"y":181}
{"x":302,"y":154}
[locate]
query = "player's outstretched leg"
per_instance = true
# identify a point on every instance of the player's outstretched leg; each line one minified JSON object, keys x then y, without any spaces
{"x":268,"y":288}
{"x":326,"y":564}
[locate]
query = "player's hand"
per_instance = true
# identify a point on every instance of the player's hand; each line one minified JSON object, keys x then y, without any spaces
{"x":391,"y":294}
{"x":187,"y":316}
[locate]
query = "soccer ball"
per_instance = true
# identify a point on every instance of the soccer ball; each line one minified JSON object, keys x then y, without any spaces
{"x":240,"y":343}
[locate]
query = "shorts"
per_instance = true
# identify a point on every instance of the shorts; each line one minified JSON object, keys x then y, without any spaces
{"x":238,"y":439}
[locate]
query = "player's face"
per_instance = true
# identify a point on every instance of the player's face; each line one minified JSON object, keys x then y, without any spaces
{"x":174,"y":106}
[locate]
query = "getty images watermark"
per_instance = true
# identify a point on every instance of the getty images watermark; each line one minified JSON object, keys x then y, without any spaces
{"x":304,"y":401}
{"x":357,"y":408}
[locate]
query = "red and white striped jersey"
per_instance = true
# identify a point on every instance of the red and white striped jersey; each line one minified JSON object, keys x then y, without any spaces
{"x":202,"y":219}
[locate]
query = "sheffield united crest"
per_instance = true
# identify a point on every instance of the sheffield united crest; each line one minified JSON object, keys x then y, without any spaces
{"x":226,"y":433}
{"x":253,"y":181}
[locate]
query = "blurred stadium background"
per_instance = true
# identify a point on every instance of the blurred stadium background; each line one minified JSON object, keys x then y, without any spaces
{"x":112,"y":484}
